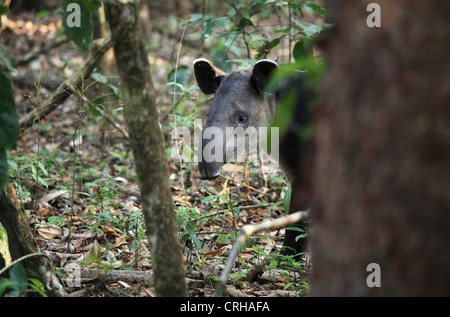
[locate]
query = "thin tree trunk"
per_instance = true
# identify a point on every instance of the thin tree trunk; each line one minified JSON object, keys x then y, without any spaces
{"x":21,"y":242}
{"x":148,"y":149}
{"x":382,"y":169}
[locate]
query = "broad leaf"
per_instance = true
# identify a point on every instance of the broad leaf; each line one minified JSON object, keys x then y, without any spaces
{"x":9,"y":125}
{"x":77,"y":22}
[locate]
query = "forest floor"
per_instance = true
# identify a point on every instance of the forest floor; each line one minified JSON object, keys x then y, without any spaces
{"x":73,"y":172}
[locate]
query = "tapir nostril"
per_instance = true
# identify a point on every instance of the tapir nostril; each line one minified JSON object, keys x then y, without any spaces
{"x":208,"y":177}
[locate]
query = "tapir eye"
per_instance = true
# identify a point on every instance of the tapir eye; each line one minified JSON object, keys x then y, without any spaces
{"x":242,"y":119}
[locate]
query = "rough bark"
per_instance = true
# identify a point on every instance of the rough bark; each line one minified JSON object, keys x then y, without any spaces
{"x":21,"y":242}
{"x":147,"y":143}
{"x":383,"y":131}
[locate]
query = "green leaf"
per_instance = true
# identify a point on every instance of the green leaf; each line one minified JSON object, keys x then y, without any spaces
{"x":298,"y":229}
{"x":18,"y":276}
{"x":274,"y":42}
{"x":317,"y":8}
{"x":183,"y":75}
{"x":220,"y":22}
{"x":78,"y":24}
{"x":279,"y":179}
{"x":42,"y":168}
{"x":9,"y":125}
{"x":287,"y":199}
{"x":311,"y":29}
{"x":4,"y":175}
{"x":37,"y":286}
{"x":303,"y":49}
{"x":191,"y":231}
{"x":99,"y":77}
{"x":4,"y":56}
{"x":208,"y":198}
{"x":3,"y":10}
{"x":5,"y":283}
{"x":283,"y":113}
{"x":94,"y":253}
{"x":244,"y":22}
{"x":285,"y":30}
{"x":42,"y":181}
{"x":198,"y":21}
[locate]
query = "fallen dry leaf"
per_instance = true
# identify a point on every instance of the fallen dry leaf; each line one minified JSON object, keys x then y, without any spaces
{"x":49,"y":232}
{"x":217,"y":252}
{"x":183,"y":200}
{"x":108,"y":230}
{"x":120,"y":240}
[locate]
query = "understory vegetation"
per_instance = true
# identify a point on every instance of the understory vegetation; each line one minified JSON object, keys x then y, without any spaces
{"x":73,"y":169}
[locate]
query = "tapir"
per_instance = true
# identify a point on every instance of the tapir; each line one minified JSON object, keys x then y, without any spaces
{"x":242,"y":100}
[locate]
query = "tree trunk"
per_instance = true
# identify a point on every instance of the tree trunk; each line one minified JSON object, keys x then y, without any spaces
{"x":148,"y":149}
{"x":21,"y":242}
{"x":382,"y":170}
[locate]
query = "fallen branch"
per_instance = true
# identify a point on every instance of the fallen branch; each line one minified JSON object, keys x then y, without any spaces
{"x":234,"y":292}
{"x":110,"y":276}
{"x":130,"y":277}
{"x":247,"y":231}
{"x":21,"y":259}
{"x":98,"y":48}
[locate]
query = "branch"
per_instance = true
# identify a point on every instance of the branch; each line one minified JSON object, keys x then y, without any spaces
{"x":21,"y":259}
{"x":104,"y":114}
{"x":248,"y":230}
{"x":98,"y":48}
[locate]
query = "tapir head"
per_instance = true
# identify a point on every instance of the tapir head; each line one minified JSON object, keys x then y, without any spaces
{"x":239,"y":101}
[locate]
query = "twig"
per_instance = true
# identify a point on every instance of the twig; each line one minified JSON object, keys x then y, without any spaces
{"x":248,"y":230}
{"x":289,"y":33}
{"x":98,"y":48}
{"x":104,"y":114}
{"x":174,"y":106}
{"x":23,"y":258}
{"x":231,"y":4}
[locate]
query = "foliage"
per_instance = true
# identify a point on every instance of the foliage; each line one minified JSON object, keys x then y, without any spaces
{"x":97,"y":206}
{"x":240,"y":31}
{"x":19,"y":283}
{"x":9,"y":127}
{"x":82,"y":33}
{"x":22,"y":168}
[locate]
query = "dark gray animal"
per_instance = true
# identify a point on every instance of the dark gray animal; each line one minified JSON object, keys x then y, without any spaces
{"x":241,"y":101}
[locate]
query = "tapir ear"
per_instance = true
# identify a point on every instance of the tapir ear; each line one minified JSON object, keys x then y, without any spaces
{"x":208,"y":76}
{"x":261,"y":73}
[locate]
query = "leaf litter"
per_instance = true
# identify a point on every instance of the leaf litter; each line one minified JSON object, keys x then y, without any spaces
{"x":87,"y":213}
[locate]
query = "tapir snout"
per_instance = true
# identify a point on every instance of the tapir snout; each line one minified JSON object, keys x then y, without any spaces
{"x":209,"y":170}
{"x":239,"y":102}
